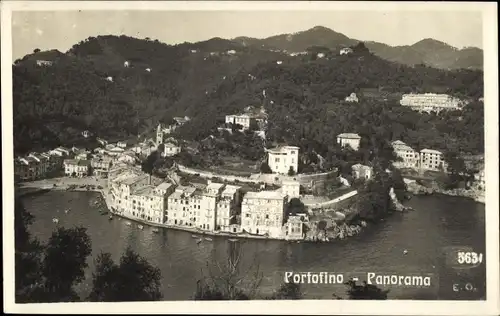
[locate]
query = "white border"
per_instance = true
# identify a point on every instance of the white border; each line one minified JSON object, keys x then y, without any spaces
{"x":303,"y":307}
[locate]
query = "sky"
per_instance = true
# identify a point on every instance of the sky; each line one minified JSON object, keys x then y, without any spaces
{"x":62,"y":29}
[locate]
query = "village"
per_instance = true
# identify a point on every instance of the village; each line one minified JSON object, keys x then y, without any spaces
{"x":262,"y":205}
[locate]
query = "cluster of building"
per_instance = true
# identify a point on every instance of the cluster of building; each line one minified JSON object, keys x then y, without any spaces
{"x":213,"y":207}
{"x":250,"y":119}
{"x":430,"y":102}
{"x":426,"y":159}
{"x":39,"y":165}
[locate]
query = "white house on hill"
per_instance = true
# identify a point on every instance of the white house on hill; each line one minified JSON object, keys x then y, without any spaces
{"x":281,"y":159}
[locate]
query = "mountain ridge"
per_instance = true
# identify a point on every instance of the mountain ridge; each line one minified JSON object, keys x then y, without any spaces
{"x":427,"y":51}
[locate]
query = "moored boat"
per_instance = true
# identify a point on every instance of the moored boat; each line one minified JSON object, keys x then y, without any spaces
{"x":110,"y":217}
{"x":128,"y":223}
{"x":208,"y":238}
{"x":156,"y":230}
{"x":233,"y":239}
{"x":194,"y":236}
{"x":55,"y":220}
{"x":199,"y":240}
{"x":140,"y":226}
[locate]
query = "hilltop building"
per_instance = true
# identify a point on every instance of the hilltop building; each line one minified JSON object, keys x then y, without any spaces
{"x":431,"y":159}
{"x":349,"y":139}
{"x":346,"y":51}
{"x":282,"y":159}
{"x":429,"y":102}
{"x":410,"y":157}
{"x":44,"y":63}
{"x":352,"y":98}
{"x":360,"y":171}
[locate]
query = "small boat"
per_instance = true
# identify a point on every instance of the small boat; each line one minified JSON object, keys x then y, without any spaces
{"x":128,"y":223}
{"x":208,"y":238}
{"x":140,"y":226}
{"x":66,"y":211}
{"x":232,"y":239}
{"x":110,"y":217}
{"x":194,"y":236}
{"x":55,"y":220}
{"x":156,"y":230}
{"x":405,"y":252}
{"x":199,"y":240}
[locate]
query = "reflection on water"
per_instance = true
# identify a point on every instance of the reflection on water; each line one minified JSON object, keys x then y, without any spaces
{"x":438,"y":222}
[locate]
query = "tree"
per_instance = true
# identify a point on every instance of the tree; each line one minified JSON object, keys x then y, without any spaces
{"x":28,"y":252}
{"x":291,"y":171}
{"x":228,"y":281}
{"x":36,"y":50}
{"x":134,"y":279}
{"x":264,"y":168}
{"x":365,"y":291}
{"x":295,"y":206}
{"x":64,"y":263}
{"x":287,"y":291}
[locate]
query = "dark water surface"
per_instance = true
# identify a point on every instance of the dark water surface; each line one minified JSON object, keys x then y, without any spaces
{"x":436,"y":223}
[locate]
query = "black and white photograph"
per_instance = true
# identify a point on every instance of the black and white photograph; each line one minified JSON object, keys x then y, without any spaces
{"x":259,"y":154}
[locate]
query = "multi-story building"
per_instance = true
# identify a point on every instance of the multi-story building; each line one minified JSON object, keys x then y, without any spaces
{"x":428,"y":102}
{"x":410,"y":157}
{"x":42,"y":163}
{"x":76,"y":168}
{"x":180,"y":205}
{"x":22,"y":169}
{"x":245,"y":120}
{"x":61,"y":152}
{"x":282,"y":159}
{"x":262,"y":213}
{"x":150,"y":202}
{"x":352,"y":98}
{"x":349,"y":139}
{"x":360,"y":171}
{"x":294,"y":226}
{"x":101,"y":165}
{"x":170,"y":149}
{"x":432,"y":160}
{"x":290,"y":188}
{"x":228,"y":207}
{"x":479,"y":180}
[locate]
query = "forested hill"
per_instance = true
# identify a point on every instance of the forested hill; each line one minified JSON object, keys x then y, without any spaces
{"x":207,"y":80}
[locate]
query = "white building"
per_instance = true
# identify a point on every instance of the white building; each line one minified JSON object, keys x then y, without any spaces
{"x":282,"y":159}
{"x":320,"y":55}
{"x":431,"y":159}
{"x":77,"y":168}
{"x":360,"y":171}
{"x":409,"y":156}
{"x":294,"y":226}
{"x":60,"y":151}
{"x":479,"y":180}
{"x":345,"y":51}
{"x":262,"y":213}
{"x":44,"y":63}
{"x":352,"y":98}
{"x":349,"y":139}
{"x":428,"y":102}
{"x":290,"y":188}
{"x":86,"y":134}
{"x":126,"y":64}
{"x":228,"y":206}
{"x":181,"y":204}
{"x":150,"y":202}
{"x":122,"y":144}
{"x":170,"y":149}
{"x":245,"y":120}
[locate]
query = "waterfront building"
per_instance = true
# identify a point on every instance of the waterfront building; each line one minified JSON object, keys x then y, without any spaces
{"x":22,"y":169}
{"x":294,"y":227}
{"x":352,"y":98}
{"x":180,"y":205}
{"x":150,"y":202}
{"x":170,"y":149}
{"x":262,"y":213}
{"x":101,"y":165}
{"x":431,"y":159}
{"x":349,"y":139}
{"x":360,"y":171}
{"x":428,"y":102}
{"x":479,"y":180}
{"x":42,"y":164}
{"x":282,"y":159}
{"x":290,"y":188}
{"x":76,"y":168}
{"x":410,"y":157}
{"x":228,"y":207}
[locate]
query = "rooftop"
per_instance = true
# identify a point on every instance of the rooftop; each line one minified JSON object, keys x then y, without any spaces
{"x":144,"y":190}
{"x":349,"y":135}
{"x":230,"y":189}
{"x":359,"y":166}
{"x":269,"y":195}
{"x":214,"y":186}
{"x":431,"y":151}
{"x":164,"y":186}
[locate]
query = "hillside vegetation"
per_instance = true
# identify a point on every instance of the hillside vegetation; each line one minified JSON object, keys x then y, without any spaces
{"x":303,"y":95}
